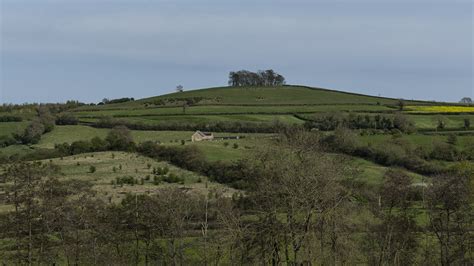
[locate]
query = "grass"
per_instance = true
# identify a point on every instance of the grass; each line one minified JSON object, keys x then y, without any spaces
{"x":275,"y":95}
{"x":7,"y":128}
{"x":431,"y":121}
{"x":224,"y":110}
{"x":62,"y":134}
{"x":127,"y":164}
{"x":373,"y":174}
{"x":424,"y":141}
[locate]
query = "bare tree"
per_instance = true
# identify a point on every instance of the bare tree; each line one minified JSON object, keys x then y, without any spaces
{"x":450,"y":214}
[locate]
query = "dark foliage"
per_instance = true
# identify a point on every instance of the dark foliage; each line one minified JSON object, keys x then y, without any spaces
{"x":261,"y":78}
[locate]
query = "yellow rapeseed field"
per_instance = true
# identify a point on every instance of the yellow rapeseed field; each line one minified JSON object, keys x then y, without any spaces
{"x":441,"y":109}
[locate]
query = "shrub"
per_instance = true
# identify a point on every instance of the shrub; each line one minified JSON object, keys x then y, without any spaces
{"x":443,"y":151}
{"x":32,"y":133}
{"x":80,"y":146}
{"x":9,"y":118}
{"x":125,"y":180}
{"x":120,"y":138}
{"x":66,"y":119}
{"x":452,"y":139}
{"x":92,"y":169}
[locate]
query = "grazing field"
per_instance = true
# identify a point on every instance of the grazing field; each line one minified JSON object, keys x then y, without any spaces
{"x":267,"y":119}
{"x":7,"y":128}
{"x":431,"y":121}
{"x":112,"y":165}
{"x":225,"y":110}
{"x":274,"y":95}
{"x":425,"y":141}
{"x":373,"y":174}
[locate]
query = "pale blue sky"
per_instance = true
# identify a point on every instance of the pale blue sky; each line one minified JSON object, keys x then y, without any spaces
{"x":55,"y":50}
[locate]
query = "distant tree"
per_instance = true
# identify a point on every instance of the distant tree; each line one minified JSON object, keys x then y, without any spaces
{"x":452,"y":139}
{"x":261,"y":78}
{"x":441,"y":122}
{"x":467,"y":100}
{"x":467,"y":123}
{"x":31,"y":134}
{"x":92,"y":169}
{"x":105,"y":101}
{"x":46,"y":118}
{"x":66,"y":119}
{"x":120,"y":138}
{"x":403,"y":123}
{"x":179,"y":88}
{"x":401,"y":104}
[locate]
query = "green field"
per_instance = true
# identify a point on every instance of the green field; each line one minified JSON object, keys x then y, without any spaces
{"x":427,"y":142}
{"x":112,"y":165}
{"x":274,"y":95}
{"x":7,"y":128}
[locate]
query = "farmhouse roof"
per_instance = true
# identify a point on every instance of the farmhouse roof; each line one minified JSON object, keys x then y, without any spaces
{"x":204,"y":134}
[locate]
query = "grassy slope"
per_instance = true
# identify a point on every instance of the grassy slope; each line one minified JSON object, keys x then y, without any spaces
{"x":277,"y":95}
{"x":7,"y":128}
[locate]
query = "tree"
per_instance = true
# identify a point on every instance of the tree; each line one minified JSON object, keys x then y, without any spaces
{"x":32,"y":133}
{"x":120,"y":138}
{"x":441,"y":122}
{"x":395,"y":242}
{"x":401,"y":104}
{"x":467,"y":123}
{"x":452,"y":139}
{"x":46,"y":118}
{"x":27,"y":224}
{"x":466,"y":100}
{"x":298,"y":201}
{"x":66,"y":119}
{"x":179,"y":88}
{"x":261,"y":78}
{"x":450,"y":215}
{"x":403,"y":123}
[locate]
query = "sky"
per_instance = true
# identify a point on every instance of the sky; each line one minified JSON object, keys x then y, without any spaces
{"x":57,"y":50}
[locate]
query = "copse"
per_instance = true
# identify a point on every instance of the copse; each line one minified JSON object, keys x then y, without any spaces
{"x":261,"y":78}
{"x":120,"y":138}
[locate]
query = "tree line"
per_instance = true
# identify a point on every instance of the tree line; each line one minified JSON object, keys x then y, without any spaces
{"x":260,"y":78}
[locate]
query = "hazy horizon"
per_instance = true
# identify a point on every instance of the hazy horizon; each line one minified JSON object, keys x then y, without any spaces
{"x":58,"y":50}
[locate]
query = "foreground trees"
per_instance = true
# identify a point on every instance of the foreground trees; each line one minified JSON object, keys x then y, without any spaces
{"x":451,"y":217}
{"x":300,"y":205}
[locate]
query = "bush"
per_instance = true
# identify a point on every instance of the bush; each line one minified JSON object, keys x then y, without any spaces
{"x":443,"y":151}
{"x":32,"y":133}
{"x":125,"y":180}
{"x":92,"y":169}
{"x":120,"y":138}
{"x":172,"y":178}
{"x":452,"y":139}
{"x":7,"y":141}
{"x":66,"y":119}
{"x":81,"y":146}
{"x":9,"y":118}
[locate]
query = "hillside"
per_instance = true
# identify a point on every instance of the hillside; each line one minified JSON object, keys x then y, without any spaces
{"x":284,"y":95}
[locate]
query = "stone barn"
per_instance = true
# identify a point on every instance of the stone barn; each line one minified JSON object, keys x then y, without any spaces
{"x":200,"y":136}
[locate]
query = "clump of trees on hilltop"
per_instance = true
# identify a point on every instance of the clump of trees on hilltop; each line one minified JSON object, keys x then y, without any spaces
{"x":261,"y":78}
